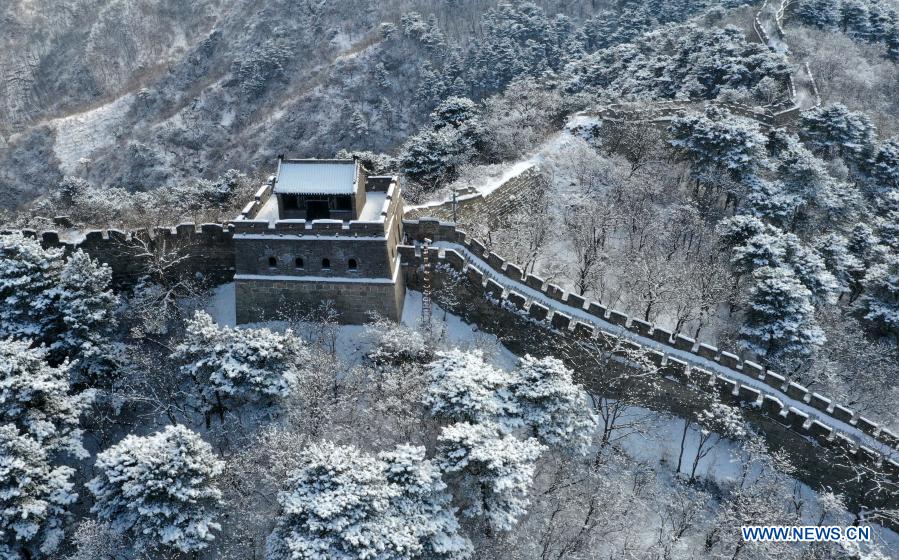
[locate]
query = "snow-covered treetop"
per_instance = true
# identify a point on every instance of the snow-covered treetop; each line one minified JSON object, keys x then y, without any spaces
{"x":160,"y":488}
{"x":552,"y":404}
{"x":464,"y":387}
{"x":35,"y":397}
{"x":244,"y":364}
{"x":344,"y":504}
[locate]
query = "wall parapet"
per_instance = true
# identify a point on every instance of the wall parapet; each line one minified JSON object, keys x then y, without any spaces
{"x":746,"y":373}
{"x":208,"y":248}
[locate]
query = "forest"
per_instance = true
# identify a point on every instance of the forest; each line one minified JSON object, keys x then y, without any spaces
{"x":725,"y":170}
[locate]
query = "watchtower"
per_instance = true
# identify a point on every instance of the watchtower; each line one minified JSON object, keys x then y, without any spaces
{"x":321,"y":229}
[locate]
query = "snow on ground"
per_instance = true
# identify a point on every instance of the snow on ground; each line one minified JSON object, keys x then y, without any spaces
{"x":374,"y":203}
{"x":78,"y":135}
{"x":220,"y":305}
{"x":658,"y":447}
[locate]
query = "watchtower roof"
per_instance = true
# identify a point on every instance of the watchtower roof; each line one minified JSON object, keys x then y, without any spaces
{"x":317,"y":176}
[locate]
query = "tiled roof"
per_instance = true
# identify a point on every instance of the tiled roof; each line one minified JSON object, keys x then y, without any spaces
{"x":316,"y":176}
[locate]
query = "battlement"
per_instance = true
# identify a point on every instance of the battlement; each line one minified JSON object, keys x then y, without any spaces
{"x":209,"y":248}
{"x":735,"y":376}
{"x":256,"y":219}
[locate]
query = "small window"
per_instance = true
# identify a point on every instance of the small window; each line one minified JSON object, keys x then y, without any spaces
{"x":272,"y":262}
{"x":344,"y":203}
{"x":326,"y":264}
{"x":298,"y":262}
{"x":352,"y":265}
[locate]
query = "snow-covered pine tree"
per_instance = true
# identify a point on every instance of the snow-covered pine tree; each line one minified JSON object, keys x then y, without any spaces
{"x":37,"y":399}
{"x":718,"y":140}
{"x":342,"y":503}
{"x":65,"y":304}
{"x":834,"y":129}
{"x":846,"y":267}
{"x":780,"y":318}
{"x":880,"y":302}
{"x":424,"y":503}
{"x":495,"y":471}
{"x":34,"y":496}
{"x":159,"y":489}
{"x":770,"y":201}
{"x":463,"y":387}
{"x":823,"y":14}
{"x":885,"y":165}
{"x":86,"y":309}
{"x":552,"y":405}
{"x":239,"y":364}
{"x":28,"y":274}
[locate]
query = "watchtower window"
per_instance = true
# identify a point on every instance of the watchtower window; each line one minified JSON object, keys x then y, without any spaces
{"x":298,"y":262}
{"x":326,"y":264}
{"x":272,"y":262}
{"x":352,"y":265}
{"x":344,"y":203}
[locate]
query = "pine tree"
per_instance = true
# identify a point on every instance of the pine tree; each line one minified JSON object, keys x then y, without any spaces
{"x":823,"y":14}
{"x":780,"y":318}
{"x":496,"y":471}
{"x":885,"y":166}
{"x":846,"y":267}
{"x":33,"y":497}
{"x":836,"y":129}
{"x":880,"y":303}
{"x":423,"y":503}
{"x":65,"y":304}
{"x":342,"y":503}
{"x":551,"y":405}
{"x":854,"y":19}
{"x":28,"y":274}
{"x":37,"y":399}
{"x":86,"y":309}
{"x":160,"y":489}
{"x":242,"y":365}
{"x":464,"y":387}
{"x":718,"y":140}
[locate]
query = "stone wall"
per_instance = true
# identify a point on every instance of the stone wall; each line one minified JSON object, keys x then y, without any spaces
{"x":372,"y":257}
{"x":560,"y":308}
{"x":263,"y":300}
{"x":207,"y":250}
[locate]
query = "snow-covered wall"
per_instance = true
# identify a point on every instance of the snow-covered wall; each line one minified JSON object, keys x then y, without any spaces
{"x":830,"y":424}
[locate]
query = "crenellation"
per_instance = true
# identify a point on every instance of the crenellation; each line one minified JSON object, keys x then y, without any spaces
{"x":685,"y":343}
{"x":576,"y":301}
{"x":748,"y":394}
{"x":640,"y":327}
{"x":617,"y":318}
{"x":772,"y":405}
{"x":661,"y":335}
{"x":796,"y":391}
{"x":583,"y":330}
{"x":534,"y":282}
{"x":797,"y":419}
{"x":707,"y":351}
{"x":560,"y":321}
{"x":494,"y":288}
{"x":597,"y":310}
{"x":513,"y":272}
{"x":819,"y":402}
{"x":842,"y":413}
{"x":537,"y":311}
{"x":753,"y":370}
{"x":516,"y":299}
{"x":774,"y":380}
{"x":729,"y":360}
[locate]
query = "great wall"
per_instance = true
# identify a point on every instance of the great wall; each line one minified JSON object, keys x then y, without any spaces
{"x":210,"y":252}
{"x":821,"y":425}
